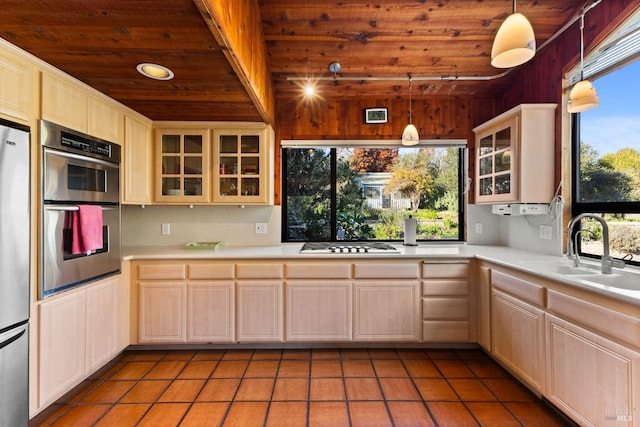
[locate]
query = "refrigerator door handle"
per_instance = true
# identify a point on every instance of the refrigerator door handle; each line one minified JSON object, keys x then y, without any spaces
{"x":12,"y":339}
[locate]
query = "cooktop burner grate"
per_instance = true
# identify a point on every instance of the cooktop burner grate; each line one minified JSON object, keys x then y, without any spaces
{"x":347,"y":246}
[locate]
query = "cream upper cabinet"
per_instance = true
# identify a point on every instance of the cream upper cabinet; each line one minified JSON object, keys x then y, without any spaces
{"x":19,"y":96}
{"x":514,"y":156}
{"x":137,"y":161}
{"x":243,"y":164}
{"x":64,"y":102}
{"x":104,"y":119}
{"x":182,"y":166}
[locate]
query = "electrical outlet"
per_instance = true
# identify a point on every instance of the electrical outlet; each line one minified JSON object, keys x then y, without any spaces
{"x":478,"y":228}
{"x":546,"y":232}
{"x":166,"y":229}
{"x":261,"y":228}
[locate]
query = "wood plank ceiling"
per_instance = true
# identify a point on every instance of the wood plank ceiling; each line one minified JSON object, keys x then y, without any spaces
{"x":100,"y":42}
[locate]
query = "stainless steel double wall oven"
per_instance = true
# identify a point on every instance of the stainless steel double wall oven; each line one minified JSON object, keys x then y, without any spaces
{"x":77,"y":170}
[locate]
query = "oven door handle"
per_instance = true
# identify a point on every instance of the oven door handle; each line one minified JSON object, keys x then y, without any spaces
{"x":79,"y":157}
{"x":59,"y":208}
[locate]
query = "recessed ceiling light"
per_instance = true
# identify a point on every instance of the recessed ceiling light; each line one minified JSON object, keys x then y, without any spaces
{"x":155,"y":71}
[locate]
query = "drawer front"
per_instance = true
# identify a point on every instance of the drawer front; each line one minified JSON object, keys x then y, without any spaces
{"x":445,"y":331}
{"x":162,"y":272}
{"x":522,"y":289}
{"x":319,"y":271}
{"x":211,"y":271}
{"x":260,"y":271}
{"x":445,"y":287}
{"x":385,"y":271}
{"x":445,"y":308}
{"x":445,"y":270}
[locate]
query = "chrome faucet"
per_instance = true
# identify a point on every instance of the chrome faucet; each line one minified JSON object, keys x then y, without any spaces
{"x":606,"y":262}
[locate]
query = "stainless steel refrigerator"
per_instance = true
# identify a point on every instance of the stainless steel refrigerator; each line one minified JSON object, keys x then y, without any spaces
{"x":15,"y":242}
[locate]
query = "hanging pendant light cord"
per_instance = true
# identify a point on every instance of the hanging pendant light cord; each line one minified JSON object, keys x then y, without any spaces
{"x":410,"y":115}
{"x":582,"y":46}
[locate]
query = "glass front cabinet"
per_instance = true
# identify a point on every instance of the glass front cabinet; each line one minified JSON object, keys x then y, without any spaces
{"x":182,"y":166}
{"x":514,"y":155}
{"x":242,"y":166}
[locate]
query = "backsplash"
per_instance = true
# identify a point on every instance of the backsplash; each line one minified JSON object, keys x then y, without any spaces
{"x":233,"y":225}
{"x":521,"y":232}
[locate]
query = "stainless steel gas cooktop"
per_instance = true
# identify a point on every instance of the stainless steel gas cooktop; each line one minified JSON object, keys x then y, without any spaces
{"x":347,"y":247}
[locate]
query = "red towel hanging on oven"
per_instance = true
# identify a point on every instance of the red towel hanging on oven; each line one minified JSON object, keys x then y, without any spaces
{"x":86,"y":229}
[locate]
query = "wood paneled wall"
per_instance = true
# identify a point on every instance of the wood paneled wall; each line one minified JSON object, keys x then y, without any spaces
{"x":540,"y":80}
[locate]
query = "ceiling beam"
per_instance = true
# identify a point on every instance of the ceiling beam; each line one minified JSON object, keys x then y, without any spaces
{"x":237,"y":27}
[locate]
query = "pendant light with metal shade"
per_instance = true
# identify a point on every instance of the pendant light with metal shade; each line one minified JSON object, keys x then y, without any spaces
{"x":583,"y":96}
{"x":515,"y":42}
{"x":410,"y":134}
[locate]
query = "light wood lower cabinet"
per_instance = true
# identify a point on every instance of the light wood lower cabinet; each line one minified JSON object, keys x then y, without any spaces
{"x":593,"y":380}
{"x":387,"y":310}
{"x":78,"y":334}
{"x":517,"y":334}
{"x":163,"y":308}
{"x":210,"y":311}
{"x":318,"y":310}
{"x":62,"y":345}
{"x":260,"y":311}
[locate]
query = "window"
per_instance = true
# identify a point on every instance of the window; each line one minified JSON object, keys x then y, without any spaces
{"x":358,"y":192}
{"x":606,"y":147}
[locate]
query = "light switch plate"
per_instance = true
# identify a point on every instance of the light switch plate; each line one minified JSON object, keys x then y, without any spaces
{"x":166,"y":229}
{"x":546,"y":232}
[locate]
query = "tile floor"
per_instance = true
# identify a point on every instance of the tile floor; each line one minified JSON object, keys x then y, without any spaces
{"x":320,"y":387}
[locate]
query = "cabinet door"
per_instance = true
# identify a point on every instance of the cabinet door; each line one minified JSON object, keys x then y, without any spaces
{"x":64,"y":103}
{"x":242,"y":162}
{"x":318,"y":310}
{"x":182,"y":166}
{"x":517,"y":338}
{"x":62,"y":345}
{"x":163,"y":316}
{"x":136,"y":167}
{"x":102,"y":324}
{"x":104,"y":120}
{"x":260,"y":311}
{"x":496,"y":163}
{"x":484,"y":307}
{"x":593,"y":380}
{"x":211,"y":311}
{"x":18,"y":86}
{"x":387,"y":311}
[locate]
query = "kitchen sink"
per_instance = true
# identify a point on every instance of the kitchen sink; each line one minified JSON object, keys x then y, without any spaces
{"x":614,"y":280}
{"x":563,"y":268}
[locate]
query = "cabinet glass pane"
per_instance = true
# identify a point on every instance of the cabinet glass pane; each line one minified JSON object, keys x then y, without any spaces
{"x":193,"y":144}
{"x":250,"y":165}
{"x":250,"y":186}
{"x":486,"y":186}
{"x":170,"y":143}
{"x":226,"y":165}
{"x":193,"y":165}
{"x":170,"y":164}
{"x":503,"y":161}
{"x":503,"y":139}
{"x":486,"y":144}
{"x":228,"y":144}
{"x":170,"y":186}
{"x":503,"y":183}
{"x":250,"y":144}
{"x":228,"y":187}
{"x":486,"y":165}
{"x":193,"y":187}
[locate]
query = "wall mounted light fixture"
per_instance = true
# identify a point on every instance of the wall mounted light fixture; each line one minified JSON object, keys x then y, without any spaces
{"x":515,"y":42}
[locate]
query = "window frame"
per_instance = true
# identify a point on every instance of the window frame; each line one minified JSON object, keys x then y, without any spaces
{"x":461,"y":145}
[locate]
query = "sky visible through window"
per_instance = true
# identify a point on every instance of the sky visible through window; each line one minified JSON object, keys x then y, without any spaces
{"x":615,"y":123}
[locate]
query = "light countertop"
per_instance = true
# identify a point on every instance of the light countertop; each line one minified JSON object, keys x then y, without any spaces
{"x":525,"y":261}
